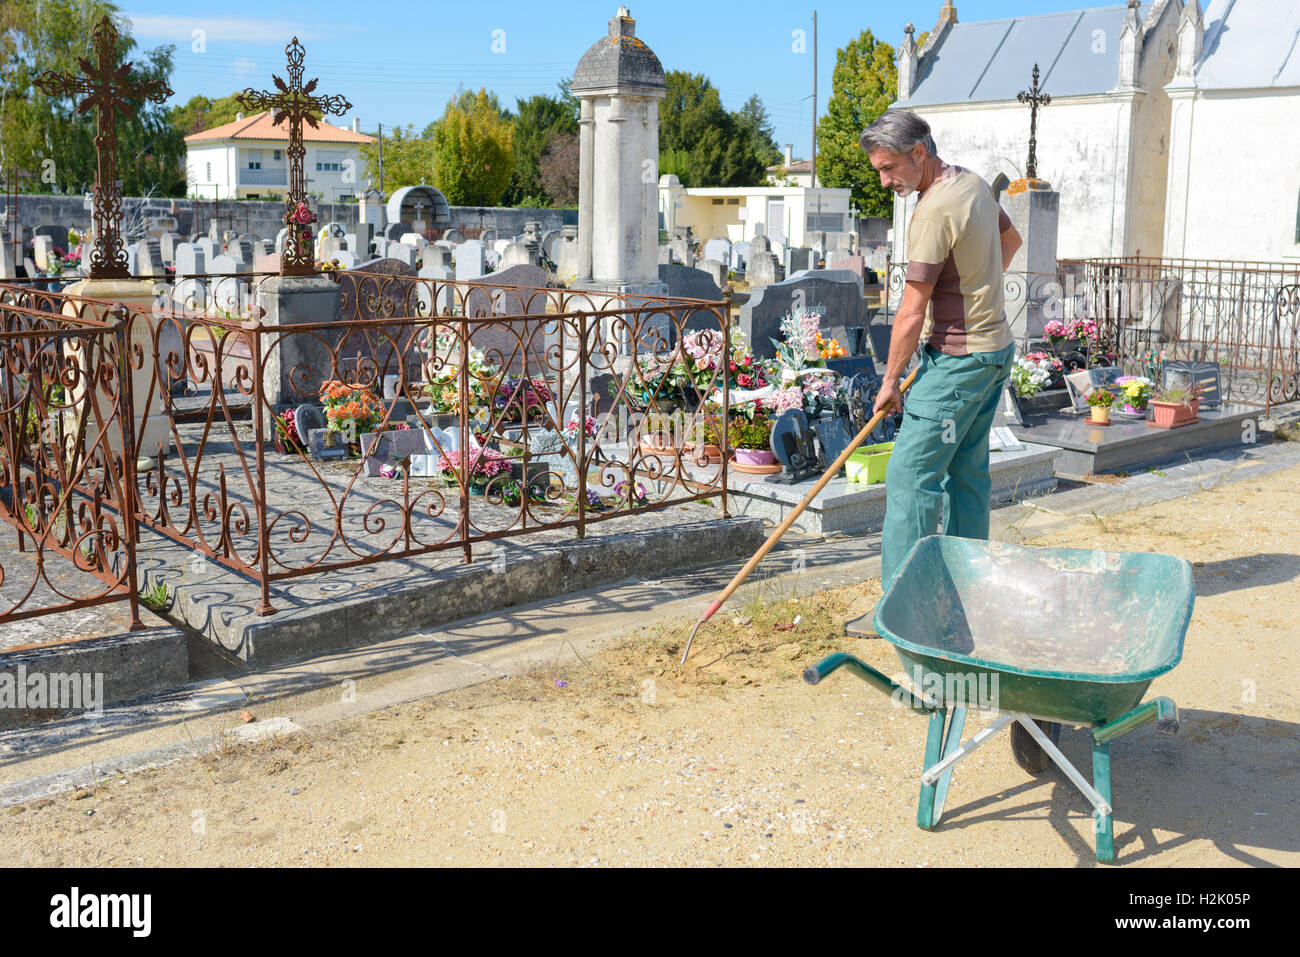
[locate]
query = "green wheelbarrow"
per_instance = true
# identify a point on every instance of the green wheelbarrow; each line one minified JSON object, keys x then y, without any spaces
{"x":1043,"y":636}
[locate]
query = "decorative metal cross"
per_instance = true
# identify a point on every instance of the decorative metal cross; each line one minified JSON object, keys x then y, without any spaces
{"x":108,"y":90}
{"x":1035,"y":98}
{"x":295,"y":102}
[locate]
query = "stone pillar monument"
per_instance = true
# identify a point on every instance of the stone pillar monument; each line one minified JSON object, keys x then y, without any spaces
{"x":1030,"y":282}
{"x":619,"y":82}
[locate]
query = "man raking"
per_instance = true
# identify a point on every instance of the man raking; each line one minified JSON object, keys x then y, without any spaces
{"x":959,"y":242}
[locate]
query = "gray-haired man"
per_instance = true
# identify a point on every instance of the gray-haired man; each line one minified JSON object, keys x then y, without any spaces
{"x":959,"y":242}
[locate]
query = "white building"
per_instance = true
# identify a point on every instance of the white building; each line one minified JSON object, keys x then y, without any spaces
{"x":246,"y":159}
{"x":1171,"y":133}
{"x":788,"y":214}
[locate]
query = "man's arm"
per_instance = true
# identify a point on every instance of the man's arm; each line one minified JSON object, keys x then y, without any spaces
{"x":902,"y":342}
{"x":1011,"y":242}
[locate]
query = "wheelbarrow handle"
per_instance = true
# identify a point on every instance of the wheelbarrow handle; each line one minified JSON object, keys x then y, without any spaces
{"x":815,"y":673}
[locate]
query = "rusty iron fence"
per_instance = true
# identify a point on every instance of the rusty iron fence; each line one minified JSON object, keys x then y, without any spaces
{"x":1240,"y":314}
{"x":542,"y":409}
{"x":65,"y":421}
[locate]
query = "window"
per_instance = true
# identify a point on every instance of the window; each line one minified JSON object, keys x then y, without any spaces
{"x":275,"y":154}
{"x":826,"y":222}
{"x":733,"y":202}
{"x":329,"y":161}
{"x":254,"y":164}
{"x":209,"y":177}
{"x":717,"y":202}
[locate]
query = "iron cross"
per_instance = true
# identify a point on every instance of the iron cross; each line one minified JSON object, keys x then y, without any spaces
{"x":1035,"y":98}
{"x":294,"y":101}
{"x":109,"y":91}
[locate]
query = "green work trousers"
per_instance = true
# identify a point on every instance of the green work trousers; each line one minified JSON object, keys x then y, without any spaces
{"x":940,"y":462}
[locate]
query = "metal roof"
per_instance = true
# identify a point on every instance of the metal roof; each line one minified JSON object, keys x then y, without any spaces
{"x":992,"y":60}
{"x":1250,"y":44}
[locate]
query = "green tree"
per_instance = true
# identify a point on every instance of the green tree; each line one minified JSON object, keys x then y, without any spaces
{"x":408,"y":159}
{"x":537,"y":120}
{"x":204,"y":113}
{"x":694,"y":125}
{"x":756,"y":125}
{"x":473,"y":152}
{"x":46,"y":137}
{"x":864,"y":83}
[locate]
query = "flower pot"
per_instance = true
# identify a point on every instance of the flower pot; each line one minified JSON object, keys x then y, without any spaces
{"x":868,"y":464}
{"x":755,"y":462}
{"x":712,"y":456}
{"x":755,"y":456}
{"x":1100,"y":415}
{"x":1170,"y":415}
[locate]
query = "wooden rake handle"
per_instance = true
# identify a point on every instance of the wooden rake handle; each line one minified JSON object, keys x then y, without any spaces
{"x":784,"y":527}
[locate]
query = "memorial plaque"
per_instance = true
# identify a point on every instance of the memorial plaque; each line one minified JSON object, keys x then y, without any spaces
{"x":1181,"y":374}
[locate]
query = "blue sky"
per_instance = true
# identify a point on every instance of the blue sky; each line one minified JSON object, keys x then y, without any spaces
{"x":398,"y":62}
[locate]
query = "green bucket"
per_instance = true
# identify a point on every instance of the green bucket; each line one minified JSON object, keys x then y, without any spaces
{"x":867,"y":464}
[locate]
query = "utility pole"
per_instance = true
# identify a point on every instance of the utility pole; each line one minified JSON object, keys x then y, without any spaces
{"x":381,"y":160}
{"x":814,"y":99}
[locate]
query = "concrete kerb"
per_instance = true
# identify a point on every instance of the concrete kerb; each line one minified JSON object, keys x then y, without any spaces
{"x":221,"y":611}
{"x":107,"y":670}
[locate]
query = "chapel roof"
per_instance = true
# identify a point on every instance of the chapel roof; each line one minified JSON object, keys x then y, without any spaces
{"x":991,"y":60}
{"x":1250,"y":44}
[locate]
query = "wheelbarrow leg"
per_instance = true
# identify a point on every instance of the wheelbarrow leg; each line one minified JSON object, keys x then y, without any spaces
{"x":939,"y":744}
{"x":1105,"y":823}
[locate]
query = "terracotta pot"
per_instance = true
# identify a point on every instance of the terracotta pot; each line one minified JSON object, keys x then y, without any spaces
{"x":1170,"y":415}
{"x":1100,"y":415}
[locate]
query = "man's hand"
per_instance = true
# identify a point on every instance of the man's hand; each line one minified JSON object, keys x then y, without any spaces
{"x":888,"y":393}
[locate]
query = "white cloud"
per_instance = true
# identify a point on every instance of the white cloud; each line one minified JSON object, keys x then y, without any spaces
{"x":180,"y":30}
{"x":244,"y":66}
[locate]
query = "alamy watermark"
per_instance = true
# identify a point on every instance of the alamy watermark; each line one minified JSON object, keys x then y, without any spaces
{"x":954,"y":689}
{"x":60,"y":690}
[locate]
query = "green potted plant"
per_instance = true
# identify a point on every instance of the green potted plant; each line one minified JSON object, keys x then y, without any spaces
{"x":1135,"y":393}
{"x":1099,"y":401}
{"x":751,"y":443}
{"x":1171,"y":408}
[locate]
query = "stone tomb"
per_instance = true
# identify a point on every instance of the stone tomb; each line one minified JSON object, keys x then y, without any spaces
{"x":512,"y":291}
{"x":839,"y":300}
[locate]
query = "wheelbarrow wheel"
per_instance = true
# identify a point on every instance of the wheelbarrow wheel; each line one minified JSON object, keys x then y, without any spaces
{"x":1027,"y":752}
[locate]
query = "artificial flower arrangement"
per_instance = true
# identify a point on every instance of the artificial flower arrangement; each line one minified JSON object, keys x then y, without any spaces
{"x":1033,"y":372}
{"x":350,"y":409}
{"x":571,"y":430}
{"x":1135,"y":390}
{"x":286,"y":432}
{"x":516,"y":399}
{"x":442,"y":370}
{"x":830,"y":349}
{"x":302,"y":217}
{"x":1057,"y":333}
{"x":483,"y":465}
{"x":698,"y":364}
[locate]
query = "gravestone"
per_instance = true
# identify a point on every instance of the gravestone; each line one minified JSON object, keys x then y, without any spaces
{"x":837,"y":298}
{"x":682,"y":251}
{"x":372,"y":212}
{"x":832,"y":275}
{"x":8,"y":268}
{"x":346,"y":258}
{"x":227,"y":294}
{"x":415,"y":240}
{"x":261,"y":248}
{"x":141,"y":261}
{"x":566,"y":256}
{"x":516,"y":254}
{"x":267,"y":263}
{"x":719,"y":250}
{"x":382,"y":448}
{"x":854,"y":264}
{"x":488,"y":236}
{"x":469,"y":260}
{"x":665,"y":255}
{"x":329,"y":248}
{"x":454,"y":236}
{"x":323,"y":445}
{"x":394,"y":232}
{"x":689,"y":282}
{"x":190,"y":261}
{"x":551,"y":242}
{"x":58,"y":234}
{"x":762,"y":269}
{"x":209,"y":247}
{"x":359,"y":240}
{"x":167,"y":244}
{"x":880,"y":260}
{"x":512,"y":291}
{"x":280,"y":239}
{"x":715,"y":270}
{"x":436,"y":254}
{"x":445,"y":294}
{"x":801,"y":257}
{"x":42,"y":250}
{"x":402,"y":252}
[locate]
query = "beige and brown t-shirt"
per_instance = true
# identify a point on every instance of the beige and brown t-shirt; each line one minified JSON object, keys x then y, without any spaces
{"x":954,"y":242}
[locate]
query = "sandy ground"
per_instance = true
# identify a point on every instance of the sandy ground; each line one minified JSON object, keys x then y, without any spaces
{"x":625,"y":759}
